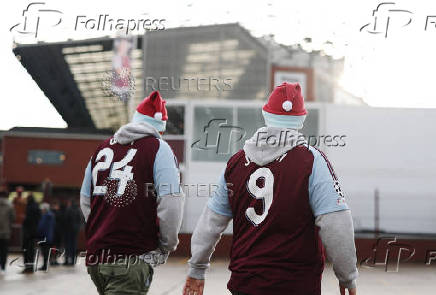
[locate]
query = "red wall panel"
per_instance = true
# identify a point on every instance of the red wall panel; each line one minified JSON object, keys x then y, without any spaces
{"x":16,"y":168}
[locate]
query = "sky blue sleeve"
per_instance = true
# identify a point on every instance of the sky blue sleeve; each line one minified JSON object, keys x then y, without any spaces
{"x":325,"y":195}
{"x":219,"y":201}
{"x":86,"y":184}
{"x":165,"y":171}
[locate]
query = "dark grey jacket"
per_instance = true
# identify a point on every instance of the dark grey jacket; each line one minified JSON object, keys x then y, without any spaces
{"x":7,"y":217}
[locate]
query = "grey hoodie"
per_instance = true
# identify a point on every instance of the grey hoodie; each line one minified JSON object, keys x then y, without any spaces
{"x":336,"y":229}
{"x":270,"y":143}
{"x":134,"y":131}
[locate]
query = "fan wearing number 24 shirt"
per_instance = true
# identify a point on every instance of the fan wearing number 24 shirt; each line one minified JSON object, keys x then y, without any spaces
{"x":287,"y":208}
{"x":132,"y":202}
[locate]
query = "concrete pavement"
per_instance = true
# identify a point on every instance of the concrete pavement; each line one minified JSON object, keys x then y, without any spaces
{"x":411,"y":279}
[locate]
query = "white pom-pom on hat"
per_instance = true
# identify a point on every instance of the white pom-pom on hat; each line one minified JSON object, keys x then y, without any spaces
{"x":158,"y":116}
{"x":287,"y":105}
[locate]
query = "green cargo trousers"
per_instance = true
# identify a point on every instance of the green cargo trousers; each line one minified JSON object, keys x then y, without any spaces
{"x":121,"y":278}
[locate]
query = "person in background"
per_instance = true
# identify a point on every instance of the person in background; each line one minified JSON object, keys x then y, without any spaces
{"x":46,"y":227}
{"x":7,"y":217}
{"x":47,"y":189}
{"x":73,"y":222}
{"x":59,"y":236}
{"x":20,"y":205}
{"x":30,"y":234}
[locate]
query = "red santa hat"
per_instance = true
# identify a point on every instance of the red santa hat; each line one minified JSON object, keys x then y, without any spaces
{"x":153,"y":111}
{"x":285,"y":107}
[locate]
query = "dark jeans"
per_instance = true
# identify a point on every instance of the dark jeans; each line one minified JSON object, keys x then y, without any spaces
{"x":28,"y":251}
{"x":70,"y":247}
{"x":3,"y":253}
{"x":45,"y":249}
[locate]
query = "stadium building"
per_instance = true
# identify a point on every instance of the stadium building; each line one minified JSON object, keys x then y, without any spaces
{"x":196,"y":69}
{"x":215,"y":79}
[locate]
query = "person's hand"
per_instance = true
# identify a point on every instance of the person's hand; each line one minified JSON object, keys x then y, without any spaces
{"x":156,"y":257}
{"x":162,"y":257}
{"x":350,"y":291}
{"x":193,"y":287}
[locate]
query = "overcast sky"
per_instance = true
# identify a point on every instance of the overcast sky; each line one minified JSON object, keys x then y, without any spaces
{"x":397,"y":71}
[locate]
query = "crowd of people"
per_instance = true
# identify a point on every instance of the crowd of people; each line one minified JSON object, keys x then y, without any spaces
{"x":51,"y":229}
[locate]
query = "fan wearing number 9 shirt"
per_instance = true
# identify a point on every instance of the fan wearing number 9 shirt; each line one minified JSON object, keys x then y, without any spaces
{"x":287,"y":209}
{"x":132,"y":203}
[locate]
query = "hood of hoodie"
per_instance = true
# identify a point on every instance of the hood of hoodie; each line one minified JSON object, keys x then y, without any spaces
{"x":134,"y":131}
{"x":270,"y":143}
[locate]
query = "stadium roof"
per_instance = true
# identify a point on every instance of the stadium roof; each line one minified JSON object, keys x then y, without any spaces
{"x":227,"y":56}
{"x":71,"y":73}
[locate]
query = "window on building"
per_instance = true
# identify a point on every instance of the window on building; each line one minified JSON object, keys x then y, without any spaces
{"x":45,"y":157}
{"x":214,"y":133}
{"x":219,"y":132}
{"x":311,"y":123}
{"x":176,"y":121}
{"x":250,"y":119}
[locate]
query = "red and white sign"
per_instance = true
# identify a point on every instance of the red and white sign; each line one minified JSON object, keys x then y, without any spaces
{"x":303,"y":76}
